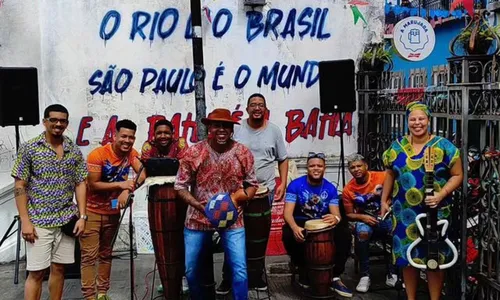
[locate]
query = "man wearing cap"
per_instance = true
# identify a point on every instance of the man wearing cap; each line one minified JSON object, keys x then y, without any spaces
{"x":361,"y":197}
{"x":266,"y":142}
{"x":313,"y":197}
{"x":216,"y":165}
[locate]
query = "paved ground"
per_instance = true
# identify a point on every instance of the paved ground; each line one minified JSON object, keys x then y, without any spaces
{"x":279,"y":281}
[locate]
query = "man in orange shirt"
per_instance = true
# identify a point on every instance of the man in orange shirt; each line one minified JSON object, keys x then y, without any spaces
{"x":361,"y":198}
{"x":109,"y":188}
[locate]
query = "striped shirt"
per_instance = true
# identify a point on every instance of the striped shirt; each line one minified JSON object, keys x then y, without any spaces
{"x":51,"y":181}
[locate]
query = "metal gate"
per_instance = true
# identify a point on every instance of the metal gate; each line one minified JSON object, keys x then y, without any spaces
{"x":464,"y":97}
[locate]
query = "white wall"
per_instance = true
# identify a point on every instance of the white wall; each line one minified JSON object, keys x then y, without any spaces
{"x":62,"y":39}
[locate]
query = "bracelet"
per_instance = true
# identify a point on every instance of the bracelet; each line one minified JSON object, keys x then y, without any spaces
{"x":338,"y":218}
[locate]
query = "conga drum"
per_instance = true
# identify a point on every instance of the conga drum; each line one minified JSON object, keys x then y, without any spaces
{"x":257,"y":218}
{"x":320,"y":252}
{"x":166,"y":222}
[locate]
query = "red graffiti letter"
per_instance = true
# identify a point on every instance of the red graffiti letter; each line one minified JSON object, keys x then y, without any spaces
{"x":84,"y":124}
{"x":312,"y":124}
{"x":109,"y":134}
{"x":294,"y":126}
{"x":189,"y":124}
{"x":176,"y":122}
{"x":237,"y":113}
{"x":152,"y":121}
{"x":348,"y":124}
{"x":332,"y":125}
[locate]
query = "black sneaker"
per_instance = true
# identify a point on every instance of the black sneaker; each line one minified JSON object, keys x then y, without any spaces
{"x":224,"y":288}
{"x":260,"y":285}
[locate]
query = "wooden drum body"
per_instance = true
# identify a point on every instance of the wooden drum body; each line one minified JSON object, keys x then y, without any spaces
{"x":257,"y":218}
{"x":320,"y":253}
{"x":166,"y":222}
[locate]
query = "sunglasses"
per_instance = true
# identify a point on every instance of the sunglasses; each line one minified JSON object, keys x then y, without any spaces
{"x":56,"y":120}
{"x":316,"y":155}
{"x":222,"y":125}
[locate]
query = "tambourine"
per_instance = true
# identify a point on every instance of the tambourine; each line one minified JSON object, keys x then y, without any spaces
{"x":221,"y":211}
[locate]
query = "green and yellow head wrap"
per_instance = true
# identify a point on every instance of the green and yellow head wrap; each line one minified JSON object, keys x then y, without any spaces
{"x":417,"y":106}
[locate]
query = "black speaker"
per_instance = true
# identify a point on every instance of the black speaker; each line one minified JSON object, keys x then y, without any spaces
{"x":336,"y":86}
{"x":19,"y":97}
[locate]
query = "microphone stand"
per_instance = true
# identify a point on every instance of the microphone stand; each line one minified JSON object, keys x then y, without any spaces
{"x":131,"y":238}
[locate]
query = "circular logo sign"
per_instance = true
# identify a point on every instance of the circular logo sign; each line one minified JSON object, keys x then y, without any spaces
{"x":414,"y":38}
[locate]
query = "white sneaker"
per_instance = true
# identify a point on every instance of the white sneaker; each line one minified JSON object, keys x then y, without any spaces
{"x":185,"y":286}
{"x":391,"y":280}
{"x":364,"y":284}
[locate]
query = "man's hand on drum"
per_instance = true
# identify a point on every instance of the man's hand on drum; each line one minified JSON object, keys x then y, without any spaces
{"x":330,"y":219}
{"x":298,"y":233}
{"x":122,"y":199}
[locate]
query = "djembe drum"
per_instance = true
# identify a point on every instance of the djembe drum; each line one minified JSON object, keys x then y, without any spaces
{"x":166,"y":221}
{"x":257,"y":218}
{"x":320,"y":252}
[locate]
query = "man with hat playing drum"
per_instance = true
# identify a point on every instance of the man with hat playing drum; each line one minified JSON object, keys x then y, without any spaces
{"x":214,"y":166}
{"x":266,"y":142}
{"x":312,"y":197}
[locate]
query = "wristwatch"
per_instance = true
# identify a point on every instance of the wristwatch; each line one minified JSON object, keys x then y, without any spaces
{"x":84,"y":217}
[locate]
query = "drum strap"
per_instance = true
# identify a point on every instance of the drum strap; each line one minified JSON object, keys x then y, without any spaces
{"x":266,"y":213}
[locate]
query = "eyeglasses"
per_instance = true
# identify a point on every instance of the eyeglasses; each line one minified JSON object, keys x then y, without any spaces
{"x":259,"y":105}
{"x":56,"y":120}
{"x":316,"y":155}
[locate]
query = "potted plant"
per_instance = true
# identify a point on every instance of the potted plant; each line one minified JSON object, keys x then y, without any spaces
{"x":483,"y":39}
{"x":375,"y":57}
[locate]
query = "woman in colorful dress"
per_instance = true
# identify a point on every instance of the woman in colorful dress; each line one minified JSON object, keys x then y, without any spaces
{"x":404,"y":181}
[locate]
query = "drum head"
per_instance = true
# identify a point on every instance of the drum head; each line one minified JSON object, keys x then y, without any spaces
{"x":317,"y":225}
{"x":261,"y":191}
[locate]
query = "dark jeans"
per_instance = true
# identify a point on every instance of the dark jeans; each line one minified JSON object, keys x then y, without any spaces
{"x":342,"y":239}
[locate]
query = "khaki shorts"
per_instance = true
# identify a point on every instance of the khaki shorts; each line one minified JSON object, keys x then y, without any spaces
{"x":52,"y":246}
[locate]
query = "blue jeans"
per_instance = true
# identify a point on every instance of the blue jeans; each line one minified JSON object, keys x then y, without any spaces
{"x":197,"y":241}
{"x":364,"y":234}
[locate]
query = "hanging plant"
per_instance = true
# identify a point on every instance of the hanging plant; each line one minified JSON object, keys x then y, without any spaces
{"x":478,"y":37}
{"x":376,"y":58}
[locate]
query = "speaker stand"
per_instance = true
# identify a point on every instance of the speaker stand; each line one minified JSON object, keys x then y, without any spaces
{"x":342,"y":161}
{"x":18,"y":137}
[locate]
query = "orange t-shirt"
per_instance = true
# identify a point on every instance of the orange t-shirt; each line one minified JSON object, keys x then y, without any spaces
{"x":113,"y":169}
{"x":366,"y":197}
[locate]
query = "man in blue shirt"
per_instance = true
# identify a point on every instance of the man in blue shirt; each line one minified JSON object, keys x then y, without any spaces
{"x":313,"y":197}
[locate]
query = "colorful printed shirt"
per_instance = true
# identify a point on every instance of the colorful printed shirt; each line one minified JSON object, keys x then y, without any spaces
{"x":51,"y":181}
{"x":212,"y":172}
{"x":364,"y":198}
{"x":176,"y":149}
{"x":311,"y":202}
{"x":113,"y":169}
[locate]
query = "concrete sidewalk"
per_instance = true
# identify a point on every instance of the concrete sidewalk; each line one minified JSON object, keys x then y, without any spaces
{"x":279,"y":281}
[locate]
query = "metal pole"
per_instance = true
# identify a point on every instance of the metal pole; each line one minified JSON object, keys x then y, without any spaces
{"x":199,"y":70}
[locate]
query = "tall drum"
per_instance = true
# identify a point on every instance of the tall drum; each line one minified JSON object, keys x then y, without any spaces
{"x":257,"y":218}
{"x":166,"y":222}
{"x":320,"y":252}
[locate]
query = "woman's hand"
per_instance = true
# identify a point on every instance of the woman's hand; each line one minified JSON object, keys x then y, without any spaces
{"x":433,"y":201}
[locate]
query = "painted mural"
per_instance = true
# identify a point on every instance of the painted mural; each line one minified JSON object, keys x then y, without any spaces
{"x":108,"y":60}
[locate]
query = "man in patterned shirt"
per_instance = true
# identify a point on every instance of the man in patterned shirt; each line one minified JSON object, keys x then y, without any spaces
{"x":164,"y":144}
{"x":48,"y":170}
{"x":109,"y":189}
{"x":216,"y":165}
